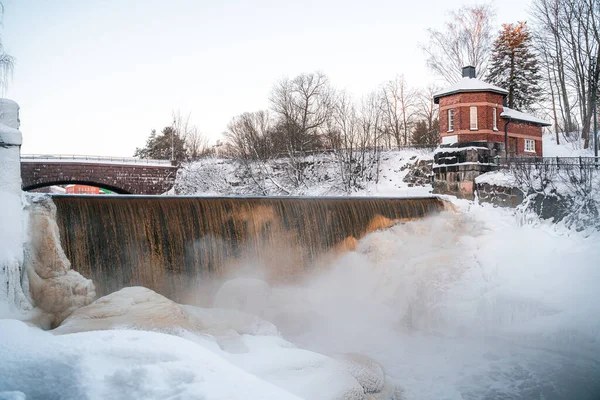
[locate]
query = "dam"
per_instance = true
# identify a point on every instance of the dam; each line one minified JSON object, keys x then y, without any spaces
{"x":165,"y":243}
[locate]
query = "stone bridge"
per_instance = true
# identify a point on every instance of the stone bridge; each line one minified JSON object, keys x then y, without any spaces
{"x":119,"y":175}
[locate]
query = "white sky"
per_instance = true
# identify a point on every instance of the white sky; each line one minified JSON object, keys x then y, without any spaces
{"x":95,"y":76}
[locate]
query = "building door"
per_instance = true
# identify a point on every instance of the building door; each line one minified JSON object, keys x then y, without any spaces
{"x":512,"y":146}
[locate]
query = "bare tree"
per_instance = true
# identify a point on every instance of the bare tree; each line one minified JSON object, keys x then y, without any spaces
{"x":196,"y":143}
{"x":398,"y":103}
{"x":249,"y":135}
{"x":303,"y":106}
{"x":569,"y":40}
{"x":466,"y":40}
{"x":356,"y":134}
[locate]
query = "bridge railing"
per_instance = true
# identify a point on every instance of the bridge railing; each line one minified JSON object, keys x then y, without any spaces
{"x":90,"y":158}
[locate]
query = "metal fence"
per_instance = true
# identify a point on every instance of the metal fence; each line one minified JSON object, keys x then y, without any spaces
{"x":550,"y":162}
{"x":79,"y":157}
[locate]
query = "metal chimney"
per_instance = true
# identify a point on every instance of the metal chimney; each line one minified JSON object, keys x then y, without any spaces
{"x":468,"y":72}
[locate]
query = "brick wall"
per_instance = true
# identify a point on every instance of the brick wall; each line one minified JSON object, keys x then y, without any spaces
{"x":486,"y":102}
{"x":129,"y":179}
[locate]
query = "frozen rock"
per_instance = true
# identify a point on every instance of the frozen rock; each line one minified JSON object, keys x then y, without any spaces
{"x":133,"y":308}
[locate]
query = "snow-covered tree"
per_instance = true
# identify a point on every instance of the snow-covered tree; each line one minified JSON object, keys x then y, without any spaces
{"x":514,"y":66}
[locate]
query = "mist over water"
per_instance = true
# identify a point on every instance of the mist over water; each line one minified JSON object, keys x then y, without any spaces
{"x":455,"y":306}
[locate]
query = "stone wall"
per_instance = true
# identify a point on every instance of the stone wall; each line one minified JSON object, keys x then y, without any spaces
{"x":501,"y":196}
{"x":120,"y":178}
{"x":456,"y":166}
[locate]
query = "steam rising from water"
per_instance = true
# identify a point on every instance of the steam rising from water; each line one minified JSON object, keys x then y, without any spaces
{"x":456,"y":306}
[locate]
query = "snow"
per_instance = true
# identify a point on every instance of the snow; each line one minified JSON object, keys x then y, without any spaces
{"x":9,"y":123}
{"x":567,"y":148}
{"x":12,"y":217}
{"x":226,"y":177}
{"x":521,"y":116}
{"x":457,"y":149}
{"x":497,"y":178}
{"x":467,"y":84}
{"x":120,"y":364}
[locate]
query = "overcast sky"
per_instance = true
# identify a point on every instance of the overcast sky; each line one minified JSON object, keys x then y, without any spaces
{"x":95,"y":76}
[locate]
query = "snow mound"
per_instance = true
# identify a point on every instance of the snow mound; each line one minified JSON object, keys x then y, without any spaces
{"x":245,"y":340}
{"x":120,"y":364}
{"x":132,"y":308}
{"x":497,"y":178}
{"x":307,"y":374}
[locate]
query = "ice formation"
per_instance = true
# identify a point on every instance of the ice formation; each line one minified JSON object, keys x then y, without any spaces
{"x":54,"y":287}
{"x":12,"y":236}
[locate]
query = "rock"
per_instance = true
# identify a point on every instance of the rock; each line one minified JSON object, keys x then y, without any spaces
{"x":134,"y":308}
{"x":53,"y":286}
{"x":143,"y":309}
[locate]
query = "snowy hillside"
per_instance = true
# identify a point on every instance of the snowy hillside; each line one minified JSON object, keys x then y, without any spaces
{"x":322,"y":177}
{"x":566,"y":148}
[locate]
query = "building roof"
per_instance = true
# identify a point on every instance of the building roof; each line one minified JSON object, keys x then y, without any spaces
{"x":466,"y":85}
{"x":509,"y":113}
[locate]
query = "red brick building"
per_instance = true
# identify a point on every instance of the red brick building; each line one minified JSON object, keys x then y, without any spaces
{"x":81,"y":189}
{"x":472,"y":111}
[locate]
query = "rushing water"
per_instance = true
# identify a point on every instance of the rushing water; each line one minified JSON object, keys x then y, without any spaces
{"x":165,"y":243}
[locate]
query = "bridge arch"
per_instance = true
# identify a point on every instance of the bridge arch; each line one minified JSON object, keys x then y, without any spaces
{"x":123,"y":178}
{"x":100,"y":185}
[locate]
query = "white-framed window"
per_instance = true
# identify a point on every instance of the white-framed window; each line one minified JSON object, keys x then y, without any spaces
{"x":451,"y":120}
{"x":473,"y":118}
{"x":494,"y":118}
{"x":530,"y":146}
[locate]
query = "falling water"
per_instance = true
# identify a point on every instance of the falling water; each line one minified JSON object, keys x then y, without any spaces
{"x":165,"y":242}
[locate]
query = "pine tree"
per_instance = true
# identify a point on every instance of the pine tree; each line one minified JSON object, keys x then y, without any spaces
{"x":163,"y":146}
{"x":514,"y":66}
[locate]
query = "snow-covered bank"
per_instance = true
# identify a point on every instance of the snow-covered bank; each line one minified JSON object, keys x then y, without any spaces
{"x":321,"y":177}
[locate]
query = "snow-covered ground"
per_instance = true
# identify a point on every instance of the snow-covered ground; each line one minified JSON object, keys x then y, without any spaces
{"x":227,"y":177}
{"x":567,"y":148}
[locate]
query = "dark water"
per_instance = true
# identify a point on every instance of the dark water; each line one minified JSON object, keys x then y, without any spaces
{"x":164,"y":243}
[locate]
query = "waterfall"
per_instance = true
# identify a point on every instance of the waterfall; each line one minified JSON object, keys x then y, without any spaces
{"x":165,"y":243}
